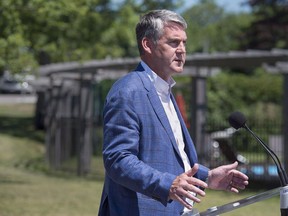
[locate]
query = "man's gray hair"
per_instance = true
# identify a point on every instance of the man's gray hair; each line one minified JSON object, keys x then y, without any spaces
{"x":151,"y":25}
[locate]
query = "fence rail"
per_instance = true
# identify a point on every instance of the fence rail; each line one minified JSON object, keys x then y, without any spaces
{"x":71,"y":118}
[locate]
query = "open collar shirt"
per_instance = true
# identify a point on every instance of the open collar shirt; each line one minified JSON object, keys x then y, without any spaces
{"x":163,"y":89}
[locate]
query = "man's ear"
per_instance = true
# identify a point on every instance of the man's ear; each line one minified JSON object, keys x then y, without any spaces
{"x":147,"y":45}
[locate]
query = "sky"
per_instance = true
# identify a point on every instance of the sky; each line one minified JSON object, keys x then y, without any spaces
{"x":234,"y":6}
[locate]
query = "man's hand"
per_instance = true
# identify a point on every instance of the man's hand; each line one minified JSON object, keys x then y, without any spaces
{"x":186,"y":186}
{"x":227,"y":178}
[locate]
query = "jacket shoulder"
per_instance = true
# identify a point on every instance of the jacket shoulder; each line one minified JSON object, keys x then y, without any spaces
{"x":134,"y":81}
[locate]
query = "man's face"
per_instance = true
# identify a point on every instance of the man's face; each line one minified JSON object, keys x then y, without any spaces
{"x":169,"y":53}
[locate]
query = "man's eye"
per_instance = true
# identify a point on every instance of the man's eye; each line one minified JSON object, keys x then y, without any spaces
{"x":175,"y":43}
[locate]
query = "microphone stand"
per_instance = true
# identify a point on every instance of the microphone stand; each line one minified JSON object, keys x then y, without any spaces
{"x":217,"y":210}
{"x":284,"y":201}
{"x":238,"y":120}
{"x":281,"y":173}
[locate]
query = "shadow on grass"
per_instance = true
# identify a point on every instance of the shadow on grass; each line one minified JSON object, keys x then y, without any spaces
{"x":23,"y":127}
{"x":20,"y":127}
{"x":11,"y":180}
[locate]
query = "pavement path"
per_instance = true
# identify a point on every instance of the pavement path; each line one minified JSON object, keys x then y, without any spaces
{"x":17,"y":98}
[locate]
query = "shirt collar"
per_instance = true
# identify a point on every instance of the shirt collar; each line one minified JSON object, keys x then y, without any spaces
{"x":162,"y":87}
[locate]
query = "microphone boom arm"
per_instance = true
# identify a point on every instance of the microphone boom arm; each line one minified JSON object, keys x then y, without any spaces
{"x":281,"y":172}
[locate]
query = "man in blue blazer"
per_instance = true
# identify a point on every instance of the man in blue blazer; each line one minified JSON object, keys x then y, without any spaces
{"x":150,"y":160}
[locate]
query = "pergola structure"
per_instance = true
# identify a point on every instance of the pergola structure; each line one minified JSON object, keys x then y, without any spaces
{"x":198,"y":66}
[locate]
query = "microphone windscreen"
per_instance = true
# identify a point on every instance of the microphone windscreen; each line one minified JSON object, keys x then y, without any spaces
{"x":237,"y":120}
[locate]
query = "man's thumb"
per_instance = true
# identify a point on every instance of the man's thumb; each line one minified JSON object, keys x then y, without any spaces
{"x":193,"y":170}
{"x":233,"y":166}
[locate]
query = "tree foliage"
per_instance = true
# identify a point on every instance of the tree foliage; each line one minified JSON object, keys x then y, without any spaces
{"x":40,"y":32}
{"x":14,"y":47}
{"x":270,"y":28}
{"x":50,"y":31}
{"x":119,"y":40}
{"x":212,"y":29}
{"x":37,"y":32}
{"x":258,"y":95}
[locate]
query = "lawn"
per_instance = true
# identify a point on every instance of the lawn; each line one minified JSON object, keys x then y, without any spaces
{"x":28,"y":188}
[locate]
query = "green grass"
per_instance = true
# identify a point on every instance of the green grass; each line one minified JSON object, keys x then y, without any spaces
{"x":29,"y":188}
{"x":28,"y":194}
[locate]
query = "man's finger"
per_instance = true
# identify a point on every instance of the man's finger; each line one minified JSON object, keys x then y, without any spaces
{"x":197,"y":182}
{"x":197,"y":190}
{"x":240,"y":176}
{"x":182,"y":201}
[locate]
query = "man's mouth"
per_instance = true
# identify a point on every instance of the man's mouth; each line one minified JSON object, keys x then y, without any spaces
{"x":179,"y":61}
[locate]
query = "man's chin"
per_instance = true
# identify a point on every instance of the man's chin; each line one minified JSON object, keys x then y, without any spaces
{"x":178,"y":70}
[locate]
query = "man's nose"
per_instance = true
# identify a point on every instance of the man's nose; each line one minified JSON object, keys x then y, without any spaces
{"x":181,"y":48}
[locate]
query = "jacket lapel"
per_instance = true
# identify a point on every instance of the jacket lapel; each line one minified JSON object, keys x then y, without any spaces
{"x":157,"y":106}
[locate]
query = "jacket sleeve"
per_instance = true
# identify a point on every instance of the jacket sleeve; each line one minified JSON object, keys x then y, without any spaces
{"x":121,"y":147}
{"x":202,"y":173}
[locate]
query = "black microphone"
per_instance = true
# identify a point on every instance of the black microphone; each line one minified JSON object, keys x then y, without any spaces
{"x":238,"y":120}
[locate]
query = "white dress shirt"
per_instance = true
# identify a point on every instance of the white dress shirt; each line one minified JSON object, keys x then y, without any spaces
{"x":163,"y":89}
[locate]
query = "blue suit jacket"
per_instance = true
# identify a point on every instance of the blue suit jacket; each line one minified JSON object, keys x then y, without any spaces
{"x":140,"y":153}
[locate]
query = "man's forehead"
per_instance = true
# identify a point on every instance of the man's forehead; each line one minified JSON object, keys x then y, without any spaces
{"x":174,"y":30}
{"x":174,"y":25}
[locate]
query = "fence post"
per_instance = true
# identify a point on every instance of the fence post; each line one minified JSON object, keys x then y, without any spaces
{"x":285,"y":117}
{"x":198,"y":113}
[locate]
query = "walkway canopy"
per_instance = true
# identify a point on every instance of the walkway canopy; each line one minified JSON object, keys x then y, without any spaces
{"x":198,"y":66}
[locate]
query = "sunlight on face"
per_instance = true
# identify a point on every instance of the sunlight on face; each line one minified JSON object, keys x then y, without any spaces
{"x":170,"y":51}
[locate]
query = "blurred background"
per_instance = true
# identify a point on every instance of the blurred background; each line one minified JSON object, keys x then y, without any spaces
{"x":58,"y":60}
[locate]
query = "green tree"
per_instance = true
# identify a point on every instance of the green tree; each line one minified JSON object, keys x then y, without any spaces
{"x":41,"y":32}
{"x":119,"y":40}
{"x":15,"y":53}
{"x":255,"y":95}
{"x":65,"y":30}
{"x":270,"y":28}
{"x":211,"y":29}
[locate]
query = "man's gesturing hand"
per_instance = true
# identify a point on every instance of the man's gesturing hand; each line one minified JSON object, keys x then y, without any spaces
{"x":186,"y":186}
{"x":227,"y":178}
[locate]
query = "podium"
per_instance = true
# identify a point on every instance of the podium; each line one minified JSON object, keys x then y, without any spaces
{"x":217,"y":210}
